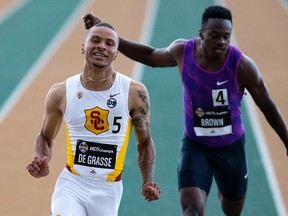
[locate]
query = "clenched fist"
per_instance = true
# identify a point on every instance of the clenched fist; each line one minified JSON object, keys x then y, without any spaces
{"x":151,"y":191}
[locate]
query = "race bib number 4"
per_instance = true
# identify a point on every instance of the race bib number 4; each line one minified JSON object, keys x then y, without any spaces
{"x":212,"y":122}
{"x":95,"y":154}
{"x":220,"y":97}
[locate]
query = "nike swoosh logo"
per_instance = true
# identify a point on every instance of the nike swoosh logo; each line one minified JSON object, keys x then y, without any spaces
{"x":246,"y":176}
{"x":221,"y":83}
{"x":113,"y":95}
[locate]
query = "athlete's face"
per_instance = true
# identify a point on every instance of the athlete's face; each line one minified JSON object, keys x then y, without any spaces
{"x":215,"y":37}
{"x":100,"y":46}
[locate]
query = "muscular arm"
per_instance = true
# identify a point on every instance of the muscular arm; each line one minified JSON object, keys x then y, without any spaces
{"x":139,"y":105}
{"x":154,"y":57}
{"x":250,"y":77}
{"x":50,"y":126}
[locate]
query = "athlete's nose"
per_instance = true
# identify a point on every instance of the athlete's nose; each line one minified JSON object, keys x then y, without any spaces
{"x":101,"y":46}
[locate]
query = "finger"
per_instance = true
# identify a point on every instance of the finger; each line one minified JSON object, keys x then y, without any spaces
{"x":44,"y":159}
{"x":86,"y":16}
{"x":151,"y":198}
{"x":151,"y":195}
{"x":88,"y":24}
{"x":37,"y":160}
{"x":92,"y":14}
{"x":31,"y":170}
{"x":35,"y":166}
{"x":155,"y":193}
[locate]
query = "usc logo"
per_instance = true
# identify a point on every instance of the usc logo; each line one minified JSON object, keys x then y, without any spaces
{"x":96,"y":120}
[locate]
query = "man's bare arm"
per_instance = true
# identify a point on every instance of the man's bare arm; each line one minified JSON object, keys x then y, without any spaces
{"x":148,"y":55}
{"x":250,"y":77}
{"x":50,"y":126}
{"x":140,"y":111}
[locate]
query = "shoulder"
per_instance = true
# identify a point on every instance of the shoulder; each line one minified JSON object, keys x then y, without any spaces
{"x":248,"y":71}
{"x":56,"y":96}
{"x":120,"y":76}
{"x":136,"y":87}
{"x":58,"y":89}
{"x":179,"y":42}
{"x":177,"y":45}
{"x":247,"y":65}
{"x":176,"y":49}
{"x":138,"y":95}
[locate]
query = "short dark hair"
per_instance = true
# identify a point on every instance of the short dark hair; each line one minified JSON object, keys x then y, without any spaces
{"x":106,"y":25}
{"x":216,"y":11}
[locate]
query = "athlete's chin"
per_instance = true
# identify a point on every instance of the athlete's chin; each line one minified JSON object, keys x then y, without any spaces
{"x":97,"y":65}
{"x":219,"y":55}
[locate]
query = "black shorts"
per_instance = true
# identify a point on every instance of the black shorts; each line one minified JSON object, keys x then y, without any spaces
{"x":199,"y":163}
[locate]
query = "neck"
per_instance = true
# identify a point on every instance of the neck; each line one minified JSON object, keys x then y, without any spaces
{"x":94,"y":81}
{"x":91,"y":79}
{"x":96,"y":75}
{"x":208,"y":61}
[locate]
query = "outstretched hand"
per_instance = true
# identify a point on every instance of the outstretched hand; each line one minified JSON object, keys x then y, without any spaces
{"x":151,"y":191}
{"x":38,"y":167}
{"x":90,"y":20}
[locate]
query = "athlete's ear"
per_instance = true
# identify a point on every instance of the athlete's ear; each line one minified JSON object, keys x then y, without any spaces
{"x":200,"y":34}
{"x":115,"y":57}
{"x":82,"y":49}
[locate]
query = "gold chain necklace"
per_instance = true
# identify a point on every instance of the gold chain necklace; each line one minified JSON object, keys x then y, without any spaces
{"x":90,"y":79}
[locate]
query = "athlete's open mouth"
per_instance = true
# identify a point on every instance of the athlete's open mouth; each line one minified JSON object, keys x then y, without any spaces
{"x":99,"y":54}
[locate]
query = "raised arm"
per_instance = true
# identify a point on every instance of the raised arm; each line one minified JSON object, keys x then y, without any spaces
{"x":50,"y":126}
{"x":148,"y":55}
{"x":139,"y":106}
{"x":250,"y":77}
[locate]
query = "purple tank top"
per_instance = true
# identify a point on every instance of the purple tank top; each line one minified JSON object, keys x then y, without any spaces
{"x":212,"y":100}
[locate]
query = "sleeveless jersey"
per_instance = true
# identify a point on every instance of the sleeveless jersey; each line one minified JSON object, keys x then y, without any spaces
{"x":212,"y":100}
{"x":98,"y":127}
